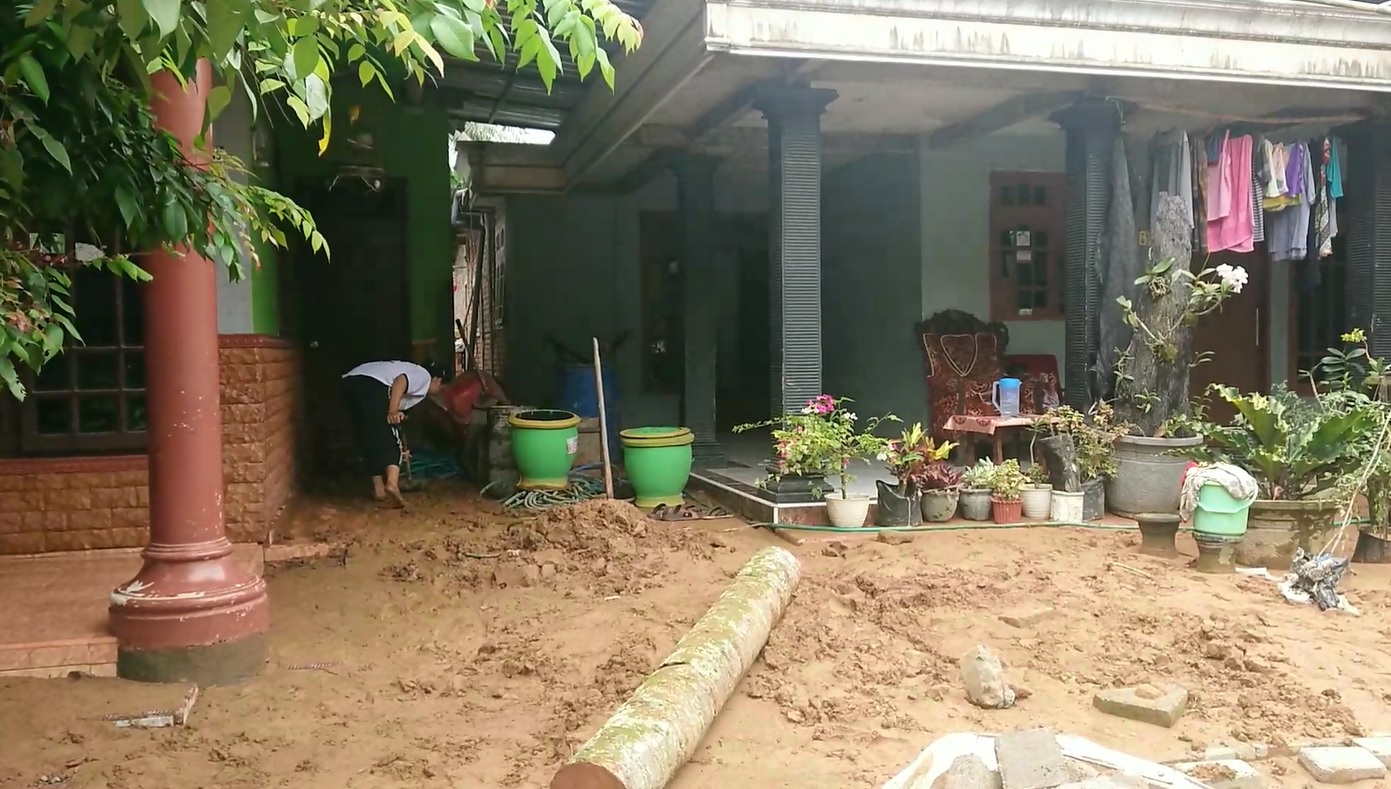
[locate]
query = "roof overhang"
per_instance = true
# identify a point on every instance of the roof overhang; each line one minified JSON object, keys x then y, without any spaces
{"x":1282,"y":42}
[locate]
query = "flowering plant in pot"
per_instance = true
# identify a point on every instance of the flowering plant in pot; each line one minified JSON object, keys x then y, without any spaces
{"x":1151,"y":377}
{"x":975,"y":490}
{"x":822,"y":440}
{"x":940,"y":483}
{"x":1036,"y":496}
{"x":907,"y":458}
{"x":1006,"y":486}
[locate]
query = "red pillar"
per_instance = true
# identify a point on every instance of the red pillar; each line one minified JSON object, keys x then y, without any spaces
{"x":192,"y":613}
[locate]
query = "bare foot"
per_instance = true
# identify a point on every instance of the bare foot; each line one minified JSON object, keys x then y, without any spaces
{"x":394,"y":498}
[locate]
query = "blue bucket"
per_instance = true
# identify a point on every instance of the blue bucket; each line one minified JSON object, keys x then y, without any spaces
{"x":579,"y":396}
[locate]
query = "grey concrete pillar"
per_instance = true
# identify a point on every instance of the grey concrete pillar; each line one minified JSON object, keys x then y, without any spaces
{"x":794,"y":113}
{"x":695,"y":187}
{"x":1368,"y":217}
{"x":1092,"y":127}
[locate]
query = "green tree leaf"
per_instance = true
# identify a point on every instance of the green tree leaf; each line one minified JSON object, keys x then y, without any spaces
{"x":41,"y":11}
{"x":454,"y":35}
{"x":305,"y":57}
{"x":56,"y":149}
{"x":34,"y":76}
{"x":165,"y":13}
{"x":218,"y":99}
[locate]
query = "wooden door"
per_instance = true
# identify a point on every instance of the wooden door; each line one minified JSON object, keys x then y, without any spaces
{"x":353,"y":305}
{"x":1234,"y":339}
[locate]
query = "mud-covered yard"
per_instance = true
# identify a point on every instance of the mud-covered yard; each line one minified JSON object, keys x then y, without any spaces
{"x":459,"y":646}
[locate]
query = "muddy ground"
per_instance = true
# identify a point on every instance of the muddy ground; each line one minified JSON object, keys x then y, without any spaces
{"x":460,"y":647}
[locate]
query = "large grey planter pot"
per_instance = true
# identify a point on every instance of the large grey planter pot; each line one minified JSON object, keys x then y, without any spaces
{"x":1147,"y":479}
{"x":939,"y":506}
{"x":1275,"y":528}
{"x":975,"y":504}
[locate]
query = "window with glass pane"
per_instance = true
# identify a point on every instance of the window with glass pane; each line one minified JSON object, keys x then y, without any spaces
{"x":1321,"y":312}
{"x":91,"y":397}
{"x":1027,"y":234}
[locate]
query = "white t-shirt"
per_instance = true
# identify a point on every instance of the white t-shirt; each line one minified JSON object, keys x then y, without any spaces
{"x":417,"y":378}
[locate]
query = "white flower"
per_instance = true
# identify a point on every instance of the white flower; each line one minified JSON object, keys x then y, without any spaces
{"x":882,"y":456}
{"x":1234,"y":277}
{"x":806,"y":410}
{"x":851,"y":416}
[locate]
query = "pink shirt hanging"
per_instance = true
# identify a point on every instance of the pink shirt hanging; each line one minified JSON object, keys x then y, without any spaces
{"x":1231,"y":223}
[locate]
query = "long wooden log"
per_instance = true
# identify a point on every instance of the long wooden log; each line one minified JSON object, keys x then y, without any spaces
{"x":662,"y":723}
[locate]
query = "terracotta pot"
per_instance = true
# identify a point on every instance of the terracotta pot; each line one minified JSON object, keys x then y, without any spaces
{"x":1007,"y":511}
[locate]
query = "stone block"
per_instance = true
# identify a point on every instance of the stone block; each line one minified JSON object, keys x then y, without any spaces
{"x":968,"y":772}
{"x":1341,"y":765}
{"x":1161,"y":706}
{"x":1224,"y":774}
{"x":1028,"y":617}
{"x":984,"y":679}
{"x":1379,"y":747}
{"x":1031,"y":759}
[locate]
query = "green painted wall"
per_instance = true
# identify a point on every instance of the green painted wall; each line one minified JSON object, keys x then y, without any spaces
{"x":412,"y":142}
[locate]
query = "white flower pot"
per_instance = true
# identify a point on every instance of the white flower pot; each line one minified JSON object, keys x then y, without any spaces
{"x":848,"y":512}
{"x":1036,"y":499}
{"x":1067,"y":507}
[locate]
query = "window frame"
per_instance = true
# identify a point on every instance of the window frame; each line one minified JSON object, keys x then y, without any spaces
{"x":1297,"y":380}
{"x":73,"y":442}
{"x":1051,"y":218}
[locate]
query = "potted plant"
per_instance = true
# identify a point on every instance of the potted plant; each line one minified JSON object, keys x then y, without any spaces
{"x":940,"y":483}
{"x":823,"y":440}
{"x":1006,"y":486}
{"x":1036,"y":497}
{"x":1080,"y":454}
{"x":907,"y":458}
{"x":1152,"y":374}
{"x":975,"y":490}
{"x":1299,"y":450}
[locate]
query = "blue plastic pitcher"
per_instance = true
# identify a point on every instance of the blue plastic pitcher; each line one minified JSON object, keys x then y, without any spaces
{"x":1005,"y":396}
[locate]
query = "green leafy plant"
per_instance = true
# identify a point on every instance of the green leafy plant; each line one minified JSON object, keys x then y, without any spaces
{"x":1350,"y":378}
{"x":1007,"y":481}
{"x":980,"y":476}
{"x":909,"y":457}
{"x":1037,"y":475}
{"x":1093,"y":436}
{"x":1295,"y":447}
{"x":823,"y":439}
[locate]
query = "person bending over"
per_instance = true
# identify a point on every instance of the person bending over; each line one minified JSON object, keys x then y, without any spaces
{"x":378,"y":394}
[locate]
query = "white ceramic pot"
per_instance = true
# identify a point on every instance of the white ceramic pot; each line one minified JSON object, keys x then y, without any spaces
{"x":847,"y":512}
{"x":1036,"y":499}
{"x":1067,"y":507}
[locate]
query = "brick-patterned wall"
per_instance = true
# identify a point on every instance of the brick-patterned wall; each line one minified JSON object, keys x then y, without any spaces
{"x":69,"y":504}
{"x":260,"y":387}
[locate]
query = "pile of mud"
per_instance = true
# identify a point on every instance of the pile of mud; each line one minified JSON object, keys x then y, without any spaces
{"x":609,"y":547}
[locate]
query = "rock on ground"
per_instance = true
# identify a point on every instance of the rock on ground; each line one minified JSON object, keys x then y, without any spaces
{"x":967,"y":772}
{"x":1031,"y":760}
{"x":984,"y":678}
{"x":1223,"y":774}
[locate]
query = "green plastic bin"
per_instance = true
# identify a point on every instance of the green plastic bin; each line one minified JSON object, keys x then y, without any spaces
{"x":544,"y":444}
{"x":1219,"y":514}
{"x":658,"y":462}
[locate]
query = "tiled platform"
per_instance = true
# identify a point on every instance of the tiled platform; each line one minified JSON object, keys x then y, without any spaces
{"x":54,"y":620}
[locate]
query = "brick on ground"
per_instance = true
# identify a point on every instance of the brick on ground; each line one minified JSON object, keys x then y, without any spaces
{"x":1031,"y":759}
{"x":1341,"y":765}
{"x":1224,"y":774}
{"x":1159,"y":705}
{"x":1379,"y":747}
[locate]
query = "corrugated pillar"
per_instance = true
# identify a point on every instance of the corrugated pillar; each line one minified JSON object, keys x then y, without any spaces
{"x":695,"y":180}
{"x":193,"y":613}
{"x":794,"y":113}
{"x":1367,"y":208}
{"x":1092,"y":127}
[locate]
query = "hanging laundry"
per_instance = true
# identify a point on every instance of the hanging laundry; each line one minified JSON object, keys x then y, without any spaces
{"x":1259,"y":168}
{"x":1335,"y":170}
{"x":1323,"y":220}
{"x":1231,"y":224}
{"x":1287,"y":220}
{"x":1172,"y":159}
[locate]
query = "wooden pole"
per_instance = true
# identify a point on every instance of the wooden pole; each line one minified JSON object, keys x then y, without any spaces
{"x":603,"y":421}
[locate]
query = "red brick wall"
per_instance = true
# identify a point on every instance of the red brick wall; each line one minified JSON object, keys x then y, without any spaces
{"x":68,"y":504}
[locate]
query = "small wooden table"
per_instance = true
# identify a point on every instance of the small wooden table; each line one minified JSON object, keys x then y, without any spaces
{"x":994,"y":426}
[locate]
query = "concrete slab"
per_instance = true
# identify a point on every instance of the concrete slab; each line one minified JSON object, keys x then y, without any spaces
{"x":1341,"y":765}
{"x":1379,"y":747}
{"x":1157,"y":705}
{"x":1031,"y":759}
{"x":1224,"y":774}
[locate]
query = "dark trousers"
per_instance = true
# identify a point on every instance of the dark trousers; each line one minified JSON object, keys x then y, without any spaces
{"x":378,"y":440}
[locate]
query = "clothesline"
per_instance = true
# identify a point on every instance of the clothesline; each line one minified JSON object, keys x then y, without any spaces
{"x":1352,"y":5}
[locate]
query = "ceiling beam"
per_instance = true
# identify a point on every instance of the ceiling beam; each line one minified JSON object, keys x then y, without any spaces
{"x":1002,"y":116}
{"x":736,"y":139}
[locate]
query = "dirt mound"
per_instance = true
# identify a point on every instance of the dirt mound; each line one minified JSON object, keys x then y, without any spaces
{"x":610,"y":546}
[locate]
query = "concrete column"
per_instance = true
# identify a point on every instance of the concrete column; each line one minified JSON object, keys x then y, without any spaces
{"x":794,"y":168}
{"x":192,"y":613}
{"x":1368,"y":215}
{"x":695,"y":186}
{"x":1092,"y":127}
